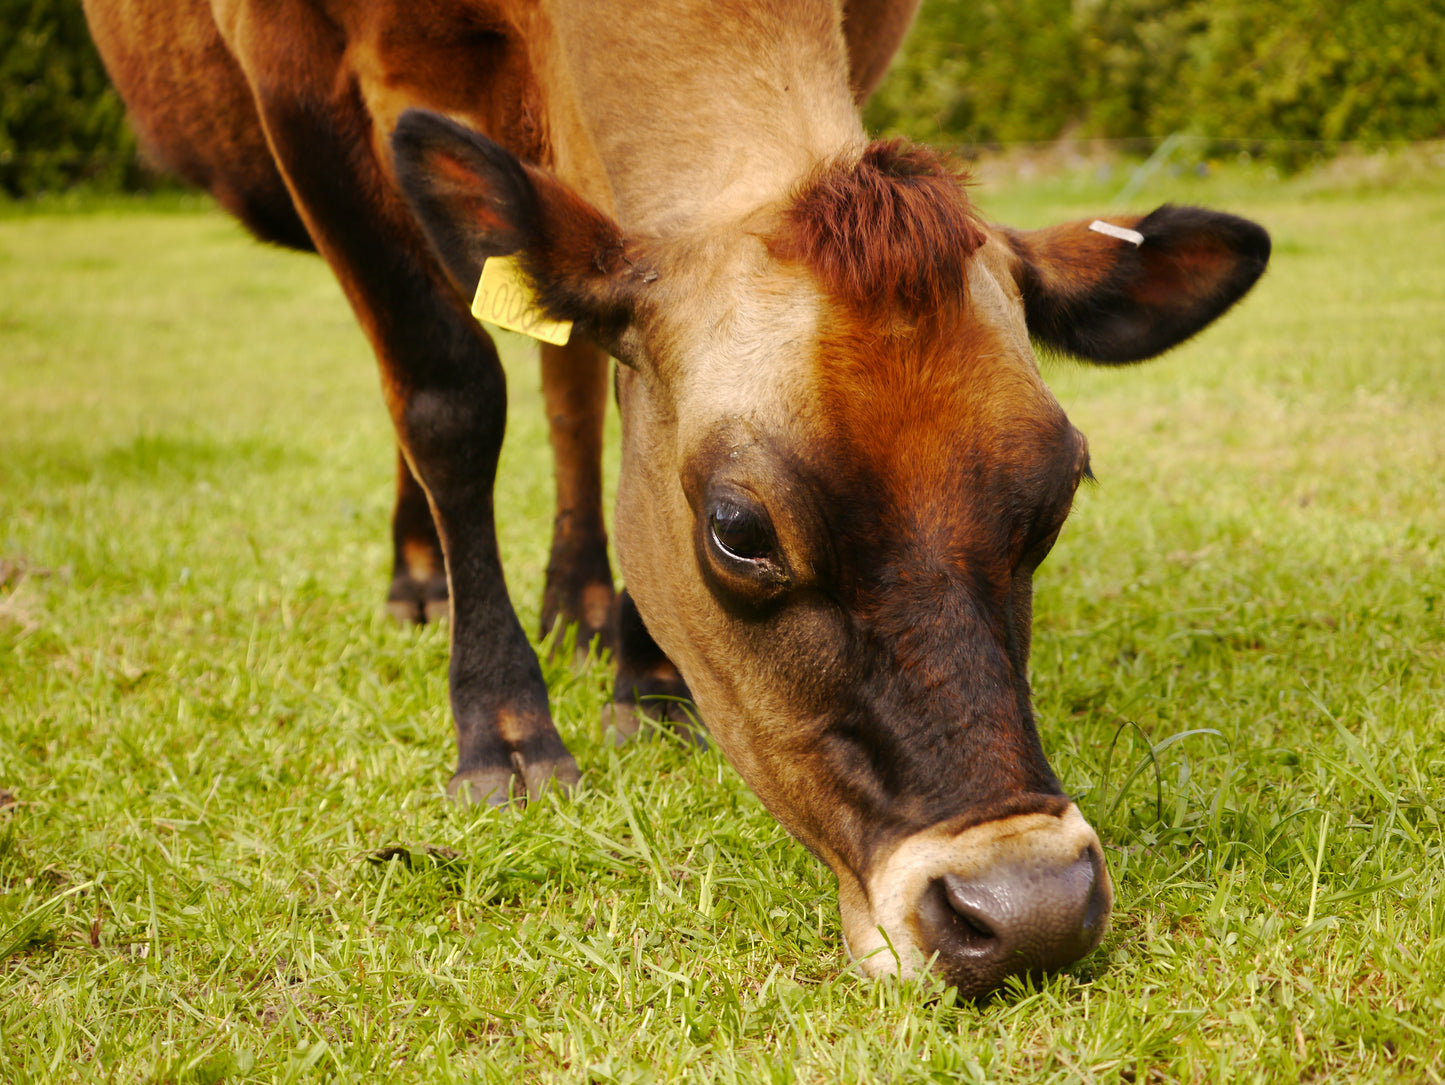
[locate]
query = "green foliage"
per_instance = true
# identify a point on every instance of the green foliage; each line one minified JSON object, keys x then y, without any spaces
{"x":958,"y":74}
{"x":1243,"y":70}
{"x":61,"y":122}
{"x":1302,"y":69}
{"x":1134,"y":55}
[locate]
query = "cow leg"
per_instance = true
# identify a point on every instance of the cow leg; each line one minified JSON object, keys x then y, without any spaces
{"x":579,"y":576}
{"x":443,"y":382}
{"x":418,"y":592}
{"x":647,"y":683}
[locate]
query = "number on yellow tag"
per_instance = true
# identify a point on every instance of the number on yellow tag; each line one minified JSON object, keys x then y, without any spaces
{"x":505,"y":299}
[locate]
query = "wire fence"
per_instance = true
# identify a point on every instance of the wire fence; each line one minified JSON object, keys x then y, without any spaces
{"x":1121,"y":144}
{"x":120,"y":171}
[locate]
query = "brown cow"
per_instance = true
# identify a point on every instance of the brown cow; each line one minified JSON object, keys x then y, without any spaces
{"x":841,"y":466}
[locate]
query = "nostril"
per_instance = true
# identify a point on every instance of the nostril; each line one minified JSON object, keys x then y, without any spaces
{"x":973,"y":922}
{"x":961,"y":921}
{"x":975,"y":907}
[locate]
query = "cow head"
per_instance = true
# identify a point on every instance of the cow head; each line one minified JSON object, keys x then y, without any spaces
{"x":840,"y":470}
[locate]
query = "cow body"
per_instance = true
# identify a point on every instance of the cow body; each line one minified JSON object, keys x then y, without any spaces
{"x":840,"y":465}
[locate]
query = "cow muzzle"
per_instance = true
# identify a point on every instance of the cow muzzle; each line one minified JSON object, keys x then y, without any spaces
{"x":1023,"y":895}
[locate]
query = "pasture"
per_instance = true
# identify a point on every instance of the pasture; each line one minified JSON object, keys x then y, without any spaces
{"x":225,"y":854}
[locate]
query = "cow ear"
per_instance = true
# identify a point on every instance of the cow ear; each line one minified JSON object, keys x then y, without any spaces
{"x":475,"y":200}
{"x":1132,"y":287}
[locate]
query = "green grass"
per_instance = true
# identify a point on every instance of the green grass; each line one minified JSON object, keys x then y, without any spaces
{"x":208,"y":731}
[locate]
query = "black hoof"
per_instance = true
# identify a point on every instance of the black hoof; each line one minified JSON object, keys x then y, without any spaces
{"x":624,"y":720}
{"x":515,"y":784}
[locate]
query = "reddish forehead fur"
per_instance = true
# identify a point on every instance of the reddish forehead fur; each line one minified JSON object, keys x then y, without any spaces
{"x":893,"y":232}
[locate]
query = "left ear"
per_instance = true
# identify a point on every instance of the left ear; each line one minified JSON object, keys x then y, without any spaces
{"x":1105,"y":298}
{"x":474,"y":199}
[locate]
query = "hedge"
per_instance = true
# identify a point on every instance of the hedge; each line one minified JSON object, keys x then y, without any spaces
{"x":1239,"y":70}
{"x":61,"y":122}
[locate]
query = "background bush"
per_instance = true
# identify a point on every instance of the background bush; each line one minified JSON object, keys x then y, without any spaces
{"x":61,"y":122}
{"x":973,"y":71}
{"x":1239,"y":70}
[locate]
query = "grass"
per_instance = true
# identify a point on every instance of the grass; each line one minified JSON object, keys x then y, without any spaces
{"x":224,"y":850}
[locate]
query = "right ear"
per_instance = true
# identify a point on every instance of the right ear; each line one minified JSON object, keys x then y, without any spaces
{"x":475,"y":200}
{"x":1139,"y":287}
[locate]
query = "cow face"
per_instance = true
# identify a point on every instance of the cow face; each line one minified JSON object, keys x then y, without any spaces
{"x":841,"y":469}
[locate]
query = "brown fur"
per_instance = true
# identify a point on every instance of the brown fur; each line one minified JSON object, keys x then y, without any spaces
{"x":890,"y":234}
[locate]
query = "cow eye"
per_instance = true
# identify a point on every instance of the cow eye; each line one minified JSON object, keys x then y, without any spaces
{"x":741,"y":532}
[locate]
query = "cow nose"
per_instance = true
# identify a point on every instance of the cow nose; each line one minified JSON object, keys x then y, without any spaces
{"x":1023,"y":921}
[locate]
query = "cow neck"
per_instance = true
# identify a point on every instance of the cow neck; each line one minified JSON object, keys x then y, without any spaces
{"x":697,"y":112}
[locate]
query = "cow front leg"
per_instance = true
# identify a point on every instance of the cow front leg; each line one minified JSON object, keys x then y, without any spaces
{"x":507,"y":746}
{"x":418,"y":593}
{"x":506,"y":743}
{"x":579,"y":576}
{"x":443,"y":382}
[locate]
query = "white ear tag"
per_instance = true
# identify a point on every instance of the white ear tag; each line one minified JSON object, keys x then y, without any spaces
{"x":505,"y":299}
{"x":1123,"y":233}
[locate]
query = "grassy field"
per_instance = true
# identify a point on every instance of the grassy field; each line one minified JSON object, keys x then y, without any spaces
{"x":224,"y":848}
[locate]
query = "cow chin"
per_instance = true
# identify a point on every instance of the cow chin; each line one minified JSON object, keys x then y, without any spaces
{"x":1022,"y":895}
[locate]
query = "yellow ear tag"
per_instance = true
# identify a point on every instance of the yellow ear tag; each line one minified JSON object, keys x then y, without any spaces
{"x":505,"y":299}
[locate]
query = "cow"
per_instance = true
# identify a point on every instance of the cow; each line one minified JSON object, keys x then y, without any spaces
{"x":840,"y":464}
